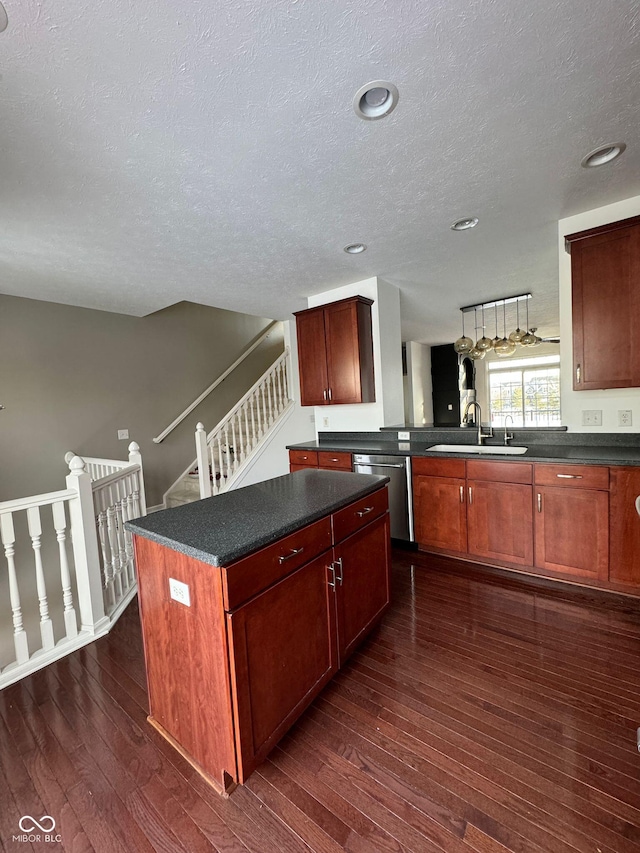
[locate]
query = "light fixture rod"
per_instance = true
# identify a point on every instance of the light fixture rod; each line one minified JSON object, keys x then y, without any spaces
{"x":506,"y":301}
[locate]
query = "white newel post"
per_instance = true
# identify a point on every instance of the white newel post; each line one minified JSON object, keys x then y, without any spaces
{"x":85,"y":549}
{"x":135,"y":458}
{"x":202,"y":455}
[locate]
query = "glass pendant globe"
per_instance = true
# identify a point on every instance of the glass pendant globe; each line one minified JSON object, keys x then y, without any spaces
{"x":530,"y":339}
{"x":505,"y":348}
{"x":483,"y":343}
{"x":495,"y":341}
{"x":463,"y":345}
{"x":477,"y":354}
{"x":517,"y":336}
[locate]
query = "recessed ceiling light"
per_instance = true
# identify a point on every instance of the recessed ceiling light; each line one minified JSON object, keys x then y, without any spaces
{"x":4,"y":20}
{"x":464,"y":224}
{"x":602,"y":155}
{"x":375,"y":100}
{"x":354,"y":248}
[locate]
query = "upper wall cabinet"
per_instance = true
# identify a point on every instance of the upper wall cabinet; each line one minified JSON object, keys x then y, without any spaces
{"x":335,"y":353}
{"x":605,"y":276}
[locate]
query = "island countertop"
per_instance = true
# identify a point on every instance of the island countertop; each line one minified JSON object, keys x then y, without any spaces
{"x":232,"y":525}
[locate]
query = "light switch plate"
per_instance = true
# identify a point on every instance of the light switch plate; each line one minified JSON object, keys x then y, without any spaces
{"x":404,"y":445}
{"x":123,"y":434}
{"x":404,"y":436}
{"x":179,"y":592}
{"x":592,"y":417}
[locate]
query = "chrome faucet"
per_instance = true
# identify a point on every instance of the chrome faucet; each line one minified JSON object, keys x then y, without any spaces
{"x":478,"y":411}
{"x":507,"y":435}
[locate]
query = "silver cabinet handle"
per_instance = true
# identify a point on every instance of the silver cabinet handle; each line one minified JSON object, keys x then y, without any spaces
{"x":470,"y":495}
{"x":332,"y":569}
{"x":539,"y":502}
{"x":461,"y":494}
{"x":324,"y":394}
{"x":578,"y":375}
{"x":338,"y":563}
{"x":570,"y":476}
{"x":364,"y":511}
{"x":638,"y":504}
{"x":329,"y":394}
{"x":294,"y":552}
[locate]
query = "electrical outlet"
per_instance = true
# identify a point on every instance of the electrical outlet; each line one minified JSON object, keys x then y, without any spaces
{"x":625,"y":417}
{"x":179,"y":592}
{"x":325,"y":423}
{"x":123,"y":434}
{"x":404,"y":436}
{"x":592,"y":417}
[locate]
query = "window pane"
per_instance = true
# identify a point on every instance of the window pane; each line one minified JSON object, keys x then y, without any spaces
{"x":531,"y":396}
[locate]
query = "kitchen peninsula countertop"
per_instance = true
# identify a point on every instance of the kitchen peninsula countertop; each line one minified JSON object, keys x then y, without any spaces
{"x":554,"y":446}
{"x":227,"y":527}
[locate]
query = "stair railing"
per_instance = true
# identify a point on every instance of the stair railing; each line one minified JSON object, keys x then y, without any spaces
{"x":69,"y":563}
{"x":222,"y":452}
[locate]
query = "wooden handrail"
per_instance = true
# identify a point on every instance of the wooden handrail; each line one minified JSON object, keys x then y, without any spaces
{"x":161,"y":437}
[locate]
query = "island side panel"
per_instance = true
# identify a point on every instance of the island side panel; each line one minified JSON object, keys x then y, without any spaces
{"x":186,"y":657}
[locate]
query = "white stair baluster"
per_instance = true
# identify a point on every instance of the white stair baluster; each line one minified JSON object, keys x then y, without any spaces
{"x":253,"y":402}
{"x":220,"y":479}
{"x":241,"y":454}
{"x":247,"y":433}
{"x":60,"y":526}
{"x":103,"y":537}
{"x":235,"y":444}
{"x":119,"y":496}
{"x":279,"y":386}
{"x":19,"y":634}
{"x":202,"y":459}
{"x":113,"y":544}
{"x":35,"y":532}
{"x":263,"y":415}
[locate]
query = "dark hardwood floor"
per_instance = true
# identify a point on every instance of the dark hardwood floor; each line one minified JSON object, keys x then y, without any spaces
{"x":488,"y":713}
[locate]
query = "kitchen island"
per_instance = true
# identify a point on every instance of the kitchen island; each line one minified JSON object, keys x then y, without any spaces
{"x":250,"y":601}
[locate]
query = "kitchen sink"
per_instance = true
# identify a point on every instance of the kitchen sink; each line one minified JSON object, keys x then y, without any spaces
{"x":496,"y":450}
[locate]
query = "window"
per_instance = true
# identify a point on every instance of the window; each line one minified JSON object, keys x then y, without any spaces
{"x":528,"y":389}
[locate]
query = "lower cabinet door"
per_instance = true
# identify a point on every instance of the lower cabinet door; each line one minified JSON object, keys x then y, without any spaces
{"x":362,"y":592}
{"x":572,"y":531}
{"x":499,"y":521}
{"x":440,"y":513}
{"x":624,"y":565}
{"x":282,"y":646}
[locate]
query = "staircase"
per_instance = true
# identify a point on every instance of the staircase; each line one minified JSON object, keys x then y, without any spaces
{"x":223,"y":454}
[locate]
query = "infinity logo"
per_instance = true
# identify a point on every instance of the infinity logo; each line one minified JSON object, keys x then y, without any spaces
{"x":28,"y":823}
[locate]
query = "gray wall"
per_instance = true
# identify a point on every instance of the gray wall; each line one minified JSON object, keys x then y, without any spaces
{"x":71,"y":377}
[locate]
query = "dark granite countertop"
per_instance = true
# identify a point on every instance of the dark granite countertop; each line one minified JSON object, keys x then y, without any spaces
{"x":588,"y":454}
{"x":227,"y":527}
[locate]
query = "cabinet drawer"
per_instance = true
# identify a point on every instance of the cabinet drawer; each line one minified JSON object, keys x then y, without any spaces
{"x":248,"y":577}
{"x":308,"y":458}
{"x":326,"y":459}
{"x":572,"y":476}
{"x":432,"y":467}
{"x":500,"y":472}
{"x":357,"y":514}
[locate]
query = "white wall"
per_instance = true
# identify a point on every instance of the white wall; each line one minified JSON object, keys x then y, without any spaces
{"x":574,"y":402}
{"x":419,"y":396}
{"x":297,"y":426}
{"x":388,"y":409}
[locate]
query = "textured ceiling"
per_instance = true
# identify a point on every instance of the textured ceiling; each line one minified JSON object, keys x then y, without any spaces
{"x":154,"y":152}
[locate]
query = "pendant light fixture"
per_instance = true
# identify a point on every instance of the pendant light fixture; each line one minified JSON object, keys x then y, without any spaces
{"x":517,"y":335}
{"x":475,"y":353}
{"x":483,"y":343}
{"x":464,"y":344}
{"x":503,"y":346}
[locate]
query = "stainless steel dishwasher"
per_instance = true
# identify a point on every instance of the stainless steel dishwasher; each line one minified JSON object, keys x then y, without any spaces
{"x":398,"y":469}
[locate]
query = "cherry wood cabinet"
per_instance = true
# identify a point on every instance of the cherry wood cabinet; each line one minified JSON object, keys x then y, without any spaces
{"x":233,"y":665}
{"x":439,"y":508}
{"x":624,"y":526}
{"x":605,"y":278}
{"x":330,"y":460}
{"x":499,"y":512}
{"x":335,"y":353}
